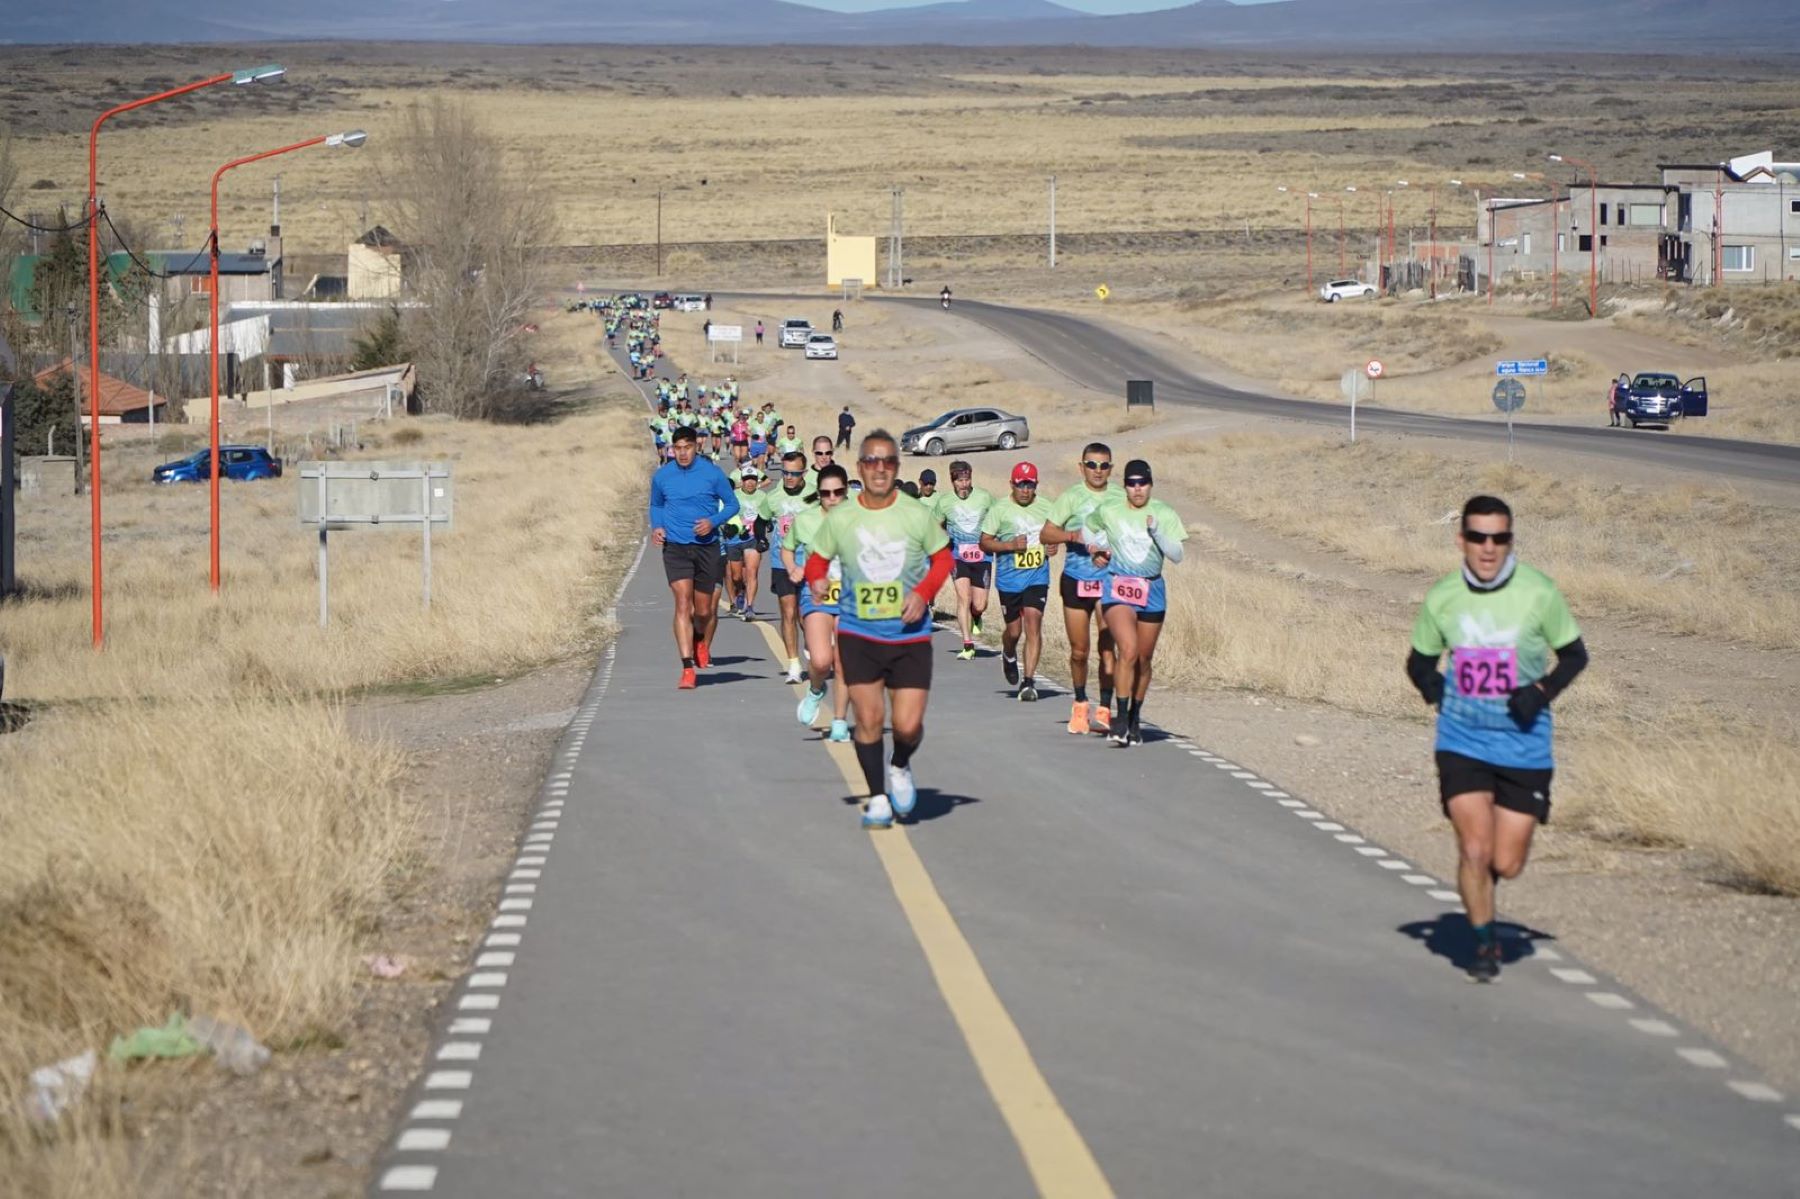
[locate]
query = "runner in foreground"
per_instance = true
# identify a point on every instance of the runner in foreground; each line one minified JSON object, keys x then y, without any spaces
{"x":1132,"y":537}
{"x":961,"y":511}
{"x":689,"y":498}
{"x":1012,"y":532}
{"x":1498,"y":620}
{"x":1081,"y":583}
{"x":819,"y":620}
{"x":894,"y":557}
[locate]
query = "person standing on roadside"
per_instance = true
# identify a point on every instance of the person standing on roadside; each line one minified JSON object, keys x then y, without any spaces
{"x":893,"y":556}
{"x":1499,"y":621}
{"x":689,"y":499}
{"x":1615,"y":402}
{"x":759,"y":332}
{"x":1081,"y":584}
{"x":846,"y":426}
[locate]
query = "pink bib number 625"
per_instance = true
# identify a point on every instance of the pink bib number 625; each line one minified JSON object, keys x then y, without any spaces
{"x":1483,"y":672}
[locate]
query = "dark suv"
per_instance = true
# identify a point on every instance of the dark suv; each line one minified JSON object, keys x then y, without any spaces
{"x":240,"y":462}
{"x":1657,"y":398}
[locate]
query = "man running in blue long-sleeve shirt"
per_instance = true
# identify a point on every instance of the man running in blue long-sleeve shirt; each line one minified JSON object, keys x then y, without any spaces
{"x":689,"y":499}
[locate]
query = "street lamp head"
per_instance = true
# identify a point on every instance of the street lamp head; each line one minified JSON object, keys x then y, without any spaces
{"x":1456,"y":183}
{"x":267,"y":73}
{"x":1556,"y":158}
{"x":351,"y":138}
{"x":1280,"y":188}
{"x":1349,"y":189}
{"x":1404,"y":183}
{"x":1312,"y":195}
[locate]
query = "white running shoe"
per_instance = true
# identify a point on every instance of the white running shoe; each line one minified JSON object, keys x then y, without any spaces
{"x":840,"y":731}
{"x":793,"y":673}
{"x":901,"y":790}
{"x":878,"y":814}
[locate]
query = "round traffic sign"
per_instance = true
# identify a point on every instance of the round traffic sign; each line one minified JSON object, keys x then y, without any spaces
{"x":1509,"y":395}
{"x":1374,"y":368}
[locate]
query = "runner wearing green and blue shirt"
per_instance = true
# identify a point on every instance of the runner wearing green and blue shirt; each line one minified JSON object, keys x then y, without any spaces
{"x":1012,"y":531}
{"x":894,"y":556}
{"x":780,"y":506}
{"x":743,"y":560}
{"x":818,"y":618}
{"x":1132,"y":538}
{"x":1081,"y":584}
{"x":961,"y":511}
{"x":1499,"y":621}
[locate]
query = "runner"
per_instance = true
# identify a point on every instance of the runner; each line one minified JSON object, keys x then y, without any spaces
{"x":894,"y":557}
{"x":1081,"y":582}
{"x":1498,"y":620}
{"x":779,"y":507}
{"x":1132,"y":538}
{"x":1012,"y":532}
{"x":961,"y":511}
{"x":689,"y":498}
{"x":819,"y":620}
{"x":742,"y":558}
{"x":927,"y":484}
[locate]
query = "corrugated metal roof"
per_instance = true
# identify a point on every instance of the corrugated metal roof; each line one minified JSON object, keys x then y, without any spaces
{"x":190,"y":262}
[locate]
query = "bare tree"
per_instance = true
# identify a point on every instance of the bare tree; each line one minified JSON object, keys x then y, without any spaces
{"x":473,"y":229}
{"x":12,"y":241}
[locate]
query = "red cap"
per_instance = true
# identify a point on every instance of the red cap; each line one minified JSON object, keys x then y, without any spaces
{"x":1025,"y":472}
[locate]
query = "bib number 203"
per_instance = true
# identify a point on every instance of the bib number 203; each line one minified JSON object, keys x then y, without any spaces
{"x":1485,"y":673}
{"x":1029,"y":558}
{"x":879,"y":601}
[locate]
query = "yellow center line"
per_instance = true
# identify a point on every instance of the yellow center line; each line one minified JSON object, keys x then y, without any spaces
{"x":1060,"y":1162}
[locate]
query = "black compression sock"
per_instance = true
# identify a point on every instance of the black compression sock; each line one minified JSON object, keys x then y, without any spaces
{"x":869,"y":758}
{"x":1081,"y":695}
{"x":687,"y":663}
{"x":1484,"y":935}
{"x":1137,"y":710}
{"x":1106,"y":697}
{"x":904,"y":750}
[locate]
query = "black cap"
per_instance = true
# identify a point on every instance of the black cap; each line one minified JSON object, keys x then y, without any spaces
{"x":927,"y":476}
{"x":961,"y":467}
{"x":1138,"y":471}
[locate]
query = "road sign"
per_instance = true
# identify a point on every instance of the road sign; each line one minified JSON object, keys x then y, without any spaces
{"x":374,"y":495}
{"x":725,"y":333}
{"x":1509,"y":395}
{"x":1355,"y":386}
{"x":1374,"y":368}
{"x":1523,"y":366}
{"x":1103,"y":291}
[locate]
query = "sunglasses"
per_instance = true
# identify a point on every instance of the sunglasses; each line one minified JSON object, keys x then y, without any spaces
{"x":1096,"y":465}
{"x":794,"y":474}
{"x":821,"y":453}
{"x":1026,"y":486}
{"x":1471,"y":536}
{"x":833,"y":492}
{"x":891,"y":461}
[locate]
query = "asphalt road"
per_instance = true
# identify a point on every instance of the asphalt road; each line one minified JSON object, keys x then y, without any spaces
{"x":1083,"y":971}
{"x":1094,"y":355}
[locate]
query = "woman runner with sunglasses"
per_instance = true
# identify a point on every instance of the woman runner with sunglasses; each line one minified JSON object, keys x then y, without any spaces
{"x":1132,"y":538}
{"x":894,"y":556}
{"x":818,"y":621}
{"x":1498,"y":620}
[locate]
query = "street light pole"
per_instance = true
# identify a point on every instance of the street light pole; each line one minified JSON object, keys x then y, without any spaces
{"x":1593,"y":229}
{"x":351,"y":140}
{"x":659,"y":233}
{"x":251,"y":75}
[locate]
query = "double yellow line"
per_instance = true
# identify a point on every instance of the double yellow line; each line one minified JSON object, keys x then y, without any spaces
{"x":1060,"y":1162}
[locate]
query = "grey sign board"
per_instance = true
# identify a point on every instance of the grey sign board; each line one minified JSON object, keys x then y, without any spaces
{"x":1509,"y":395}
{"x":376,"y":495}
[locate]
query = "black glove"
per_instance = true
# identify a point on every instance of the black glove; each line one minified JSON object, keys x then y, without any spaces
{"x":762,"y":545}
{"x":1525,"y":704}
{"x":1432,"y":689}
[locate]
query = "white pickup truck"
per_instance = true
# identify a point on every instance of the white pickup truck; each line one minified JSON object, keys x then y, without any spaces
{"x":795,"y":333}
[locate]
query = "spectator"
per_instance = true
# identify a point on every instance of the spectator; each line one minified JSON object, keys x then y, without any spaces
{"x":1615,"y":400}
{"x":846,"y":424}
{"x":759,"y":332}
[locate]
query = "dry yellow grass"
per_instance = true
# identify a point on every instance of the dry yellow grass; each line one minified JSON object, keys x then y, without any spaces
{"x":1691,"y":558}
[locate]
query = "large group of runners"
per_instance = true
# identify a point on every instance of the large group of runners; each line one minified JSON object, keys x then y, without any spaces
{"x":857,"y":561}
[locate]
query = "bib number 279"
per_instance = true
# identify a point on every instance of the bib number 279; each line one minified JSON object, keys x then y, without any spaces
{"x":879,"y":601}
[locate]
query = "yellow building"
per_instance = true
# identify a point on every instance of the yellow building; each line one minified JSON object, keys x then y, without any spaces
{"x":847,"y":257}
{"x":375,"y":266}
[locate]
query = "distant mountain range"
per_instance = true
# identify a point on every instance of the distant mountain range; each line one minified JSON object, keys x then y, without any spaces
{"x":1475,"y":27}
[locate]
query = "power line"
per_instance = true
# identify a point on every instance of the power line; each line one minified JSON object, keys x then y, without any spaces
{"x":36,"y":228}
{"x":195,"y":260}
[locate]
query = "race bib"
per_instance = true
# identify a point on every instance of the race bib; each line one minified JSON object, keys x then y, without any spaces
{"x":1484,"y":673}
{"x":1129,"y":590}
{"x":1087,"y":588}
{"x":1029,"y":559}
{"x":832,"y":594}
{"x":784,"y":524}
{"x":970,"y":551}
{"x":879,"y":601}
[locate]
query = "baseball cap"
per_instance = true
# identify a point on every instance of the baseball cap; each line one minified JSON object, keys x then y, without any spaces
{"x":960,"y":467}
{"x":1138,"y":471}
{"x":1025,"y":472}
{"x":750,"y":472}
{"x":927,"y":476}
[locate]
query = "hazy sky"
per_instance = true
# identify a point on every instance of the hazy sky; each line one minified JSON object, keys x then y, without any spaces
{"x":1094,"y":6}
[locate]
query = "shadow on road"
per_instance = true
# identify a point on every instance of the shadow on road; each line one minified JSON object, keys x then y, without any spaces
{"x":934,"y":804}
{"x":1451,"y":938}
{"x":736,"y":660}
{"x":712,"y":678}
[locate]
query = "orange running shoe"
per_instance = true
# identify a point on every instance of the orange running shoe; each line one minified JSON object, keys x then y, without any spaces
{"x":1078,"y":720}
{"x":688,"y":681}
{"x":702,"y":655}
{"x":1102,"y":719}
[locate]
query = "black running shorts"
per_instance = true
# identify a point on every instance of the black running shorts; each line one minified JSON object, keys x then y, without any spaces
{"x":704,"y":564}
{"x":1014,"y":602}
{"x":902,"y":666}
{"x":780,"y":582}
{"x":1071,"y":598}
{"x":977,"y":573}
{"x":1514,"y":788}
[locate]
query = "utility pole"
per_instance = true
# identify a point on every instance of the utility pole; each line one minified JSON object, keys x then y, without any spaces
{"x":896,"y":239}
{"x":75,"y":386}
{"x":659,"y":233}
{"x":1053,"y":222}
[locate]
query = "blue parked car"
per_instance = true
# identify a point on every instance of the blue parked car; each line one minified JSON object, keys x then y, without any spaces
{"x":240,"y":462}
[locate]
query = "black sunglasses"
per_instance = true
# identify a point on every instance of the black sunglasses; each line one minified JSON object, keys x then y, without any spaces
{"x":1471,"y":535}
{"x":821,"y":453}
{"x":825,"y":495}
{"x":891,"y":461}
{"x":1096,"y":465}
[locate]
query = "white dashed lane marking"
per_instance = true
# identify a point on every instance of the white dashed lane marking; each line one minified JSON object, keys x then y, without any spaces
{"x":1706,"y":1059}
{"x":1758,"y":1092}
{"x":409,"y":1178}
{"x":1610,"y":1000}
{"x":415,"y":1140}
{"x":437,"y":1109}
{"x":1655,"y":1028}
{"x":1580,"y":978}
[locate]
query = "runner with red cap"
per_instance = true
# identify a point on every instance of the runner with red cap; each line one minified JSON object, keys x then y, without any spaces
{"x":1133,"y":537}
{"x":1013,"y":532}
